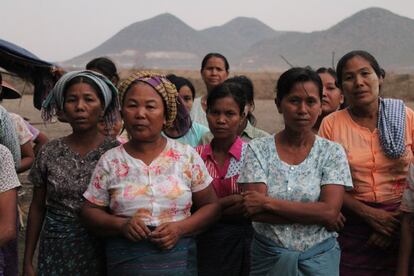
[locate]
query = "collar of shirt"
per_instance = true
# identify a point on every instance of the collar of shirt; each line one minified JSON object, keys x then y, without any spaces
{"x":235,"y":150}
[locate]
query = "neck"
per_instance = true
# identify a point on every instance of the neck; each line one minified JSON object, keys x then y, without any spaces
{"x":222,"y":145}
{"x":367,"y":111}
{"x":296,"y":138}
{"x":147,"y":146}
{"x":85,"y":137}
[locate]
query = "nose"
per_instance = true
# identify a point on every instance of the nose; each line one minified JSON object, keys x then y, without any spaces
{"x":140,"y":113}
{"x":221,"y":119}
{"x":80,"y":105}
{"x":324,"y":92}
{"x":302,"y":108}
{"x":358,"y":80}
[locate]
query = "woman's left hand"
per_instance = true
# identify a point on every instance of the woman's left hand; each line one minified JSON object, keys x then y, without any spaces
{"x":166,"y":235}
{"x":254,"y":202}
{"x":379,"y":240}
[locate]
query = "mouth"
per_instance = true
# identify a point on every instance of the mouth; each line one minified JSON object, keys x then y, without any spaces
{"x":220,"y":130}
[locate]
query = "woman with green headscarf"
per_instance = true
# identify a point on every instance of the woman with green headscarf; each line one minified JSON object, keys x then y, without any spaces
{"x":142,"y":192}
{"x":61,"y":173}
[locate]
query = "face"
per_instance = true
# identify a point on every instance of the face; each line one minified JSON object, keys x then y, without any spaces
{"x":224,"y":118}
{"x":301,"y":107}
{"x":214,"y":72}
{"x":82,"y":107}
{"x":360,"y":83}
{"x":187,"y":96}
{"x":332,"y":96}
{"x":114,"y":131}
{"x":143,"y":113}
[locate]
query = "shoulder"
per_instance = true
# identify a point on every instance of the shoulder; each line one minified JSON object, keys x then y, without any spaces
{"x":5,"y":153}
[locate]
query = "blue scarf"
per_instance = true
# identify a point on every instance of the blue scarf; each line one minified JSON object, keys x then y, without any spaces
{"x":391,"y":126}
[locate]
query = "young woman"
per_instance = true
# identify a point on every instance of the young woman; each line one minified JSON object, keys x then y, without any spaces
{"x":186,"y":92}
{"x":294,"y":184}
{"x":247,"y":130}
{"x":377,"y":135}
{"x":225,"y":248}
{"x":332,"y":96}
{"x":141,"y":192}
{"x":61,"y":173}
{"x":214,"y":70}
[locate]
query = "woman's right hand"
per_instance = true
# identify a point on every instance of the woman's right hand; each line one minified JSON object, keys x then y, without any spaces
{"x":135,"y":229}
{"x":384,"y":222}
{"x":28,"y":270}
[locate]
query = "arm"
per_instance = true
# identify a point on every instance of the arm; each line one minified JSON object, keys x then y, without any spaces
{"x":27,"y":154}
{"x":40,"y":140}
{"x":232,"y":207}
{"x":34,"y":226}
{"x":381,"y":221}
{"x":8,"y":213}
{"x":406,"y":245}
{"x":207,"y":212}
{"x":324,"y":212}
{"x":263,"y":216}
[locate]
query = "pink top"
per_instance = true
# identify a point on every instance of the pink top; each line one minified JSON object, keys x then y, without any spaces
{"x":156,"y":193}
{"x":376,"y":177}
{"x":225,"y":177}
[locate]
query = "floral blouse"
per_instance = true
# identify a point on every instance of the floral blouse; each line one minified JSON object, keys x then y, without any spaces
{"x":157,"y":193}
{"x":8,"y":176}
{"x":326,"y":164}
{"x":65,"y":174}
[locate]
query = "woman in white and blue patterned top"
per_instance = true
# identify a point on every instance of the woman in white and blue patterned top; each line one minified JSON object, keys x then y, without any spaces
{"x":294,"y":184}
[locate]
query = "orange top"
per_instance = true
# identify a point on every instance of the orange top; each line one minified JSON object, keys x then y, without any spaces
{"x":376,"y":178}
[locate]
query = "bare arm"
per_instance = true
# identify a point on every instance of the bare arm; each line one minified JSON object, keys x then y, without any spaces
{"x":27,"y":157}
{"x":34,"y":226}
{"x":406,"y":245}
{"x":382,"y":221}
{"x":8,"y":213}
{"x":40,"y":140}
{"x":324,"y":212}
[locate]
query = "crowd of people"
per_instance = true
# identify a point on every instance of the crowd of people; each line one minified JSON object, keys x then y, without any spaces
{"x":154,"y":181}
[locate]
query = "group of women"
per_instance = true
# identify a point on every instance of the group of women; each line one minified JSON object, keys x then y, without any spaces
{"x":196,"y":189}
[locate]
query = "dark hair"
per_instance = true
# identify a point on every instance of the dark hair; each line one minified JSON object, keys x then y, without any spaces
{"x":217,"y":55}
{"x":81,"y":79}
{"x":296,"y":75}
{"x":330,"y":71}
{"x":181,"y":82}
{"x":227,"y":89}
{"x":358,"y":53}
{"x":105,"y":66}
{"x":247,"y":86}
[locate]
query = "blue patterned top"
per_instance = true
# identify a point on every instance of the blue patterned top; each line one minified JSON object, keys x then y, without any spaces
{"x":326,"y":164}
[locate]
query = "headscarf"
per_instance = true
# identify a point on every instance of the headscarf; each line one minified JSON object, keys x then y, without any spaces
{"x":391,"y":126}
{"x":177,"y":115}
{"x":56,"y":98}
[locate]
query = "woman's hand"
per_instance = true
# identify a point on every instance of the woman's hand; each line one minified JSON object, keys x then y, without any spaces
{"x":254,"y":202}
{"x":384,"y":222}
{"x":135,"y":229}
{"x":166,"y":235}
{"x":338,"y":225}
{"x":379,"y":240}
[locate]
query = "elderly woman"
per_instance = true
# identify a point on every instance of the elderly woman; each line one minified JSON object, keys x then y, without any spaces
{"x":61,"y":173}
{"x":294,"y":184}
{"x":141,"y":193}
{"x":214,"y":70}
{"x":377,"y":135}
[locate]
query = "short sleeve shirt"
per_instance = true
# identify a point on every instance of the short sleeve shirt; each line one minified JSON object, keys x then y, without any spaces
{"x":326,"y":164}
{"x":8,"y":136}
{"x":156,"y":193}
{"x":65,"y":174}
{"x":22,"y":130}
{"x":407,"y":204}
{"x":8,"y":176}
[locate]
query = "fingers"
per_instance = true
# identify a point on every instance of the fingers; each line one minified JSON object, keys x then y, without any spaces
{"x":166,"y":235}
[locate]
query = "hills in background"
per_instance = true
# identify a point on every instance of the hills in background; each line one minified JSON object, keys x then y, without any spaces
{"x":167,"y":42}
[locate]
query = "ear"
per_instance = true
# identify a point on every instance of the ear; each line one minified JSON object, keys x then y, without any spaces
{"x":342,"y":100}
{"x":277,"y":103}
{"x":380,"y":81}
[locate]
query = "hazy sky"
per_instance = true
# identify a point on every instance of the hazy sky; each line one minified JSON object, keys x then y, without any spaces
{"x":56,"y":30}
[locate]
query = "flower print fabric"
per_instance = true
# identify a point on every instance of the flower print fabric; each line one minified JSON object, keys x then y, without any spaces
{"x":326,"y":164}
{"x":157,"y":193}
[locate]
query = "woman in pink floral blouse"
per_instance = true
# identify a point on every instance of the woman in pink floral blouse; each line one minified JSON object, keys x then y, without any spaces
{"x":141,"y":193}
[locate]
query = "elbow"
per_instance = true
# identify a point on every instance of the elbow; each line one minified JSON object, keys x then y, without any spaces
{"x":330,"y":216}
{"x":9,"y":234}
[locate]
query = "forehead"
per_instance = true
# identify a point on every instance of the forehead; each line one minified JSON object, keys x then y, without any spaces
{"x":225,"y":103}
{"x":326,"y":78}
{"x":185,"y":90}
{"x":356,"y":63}
{"x":215,"y":62}
{"x":83,"y":88}
{"x":304,"y":89}
{"x":142,"y":91}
